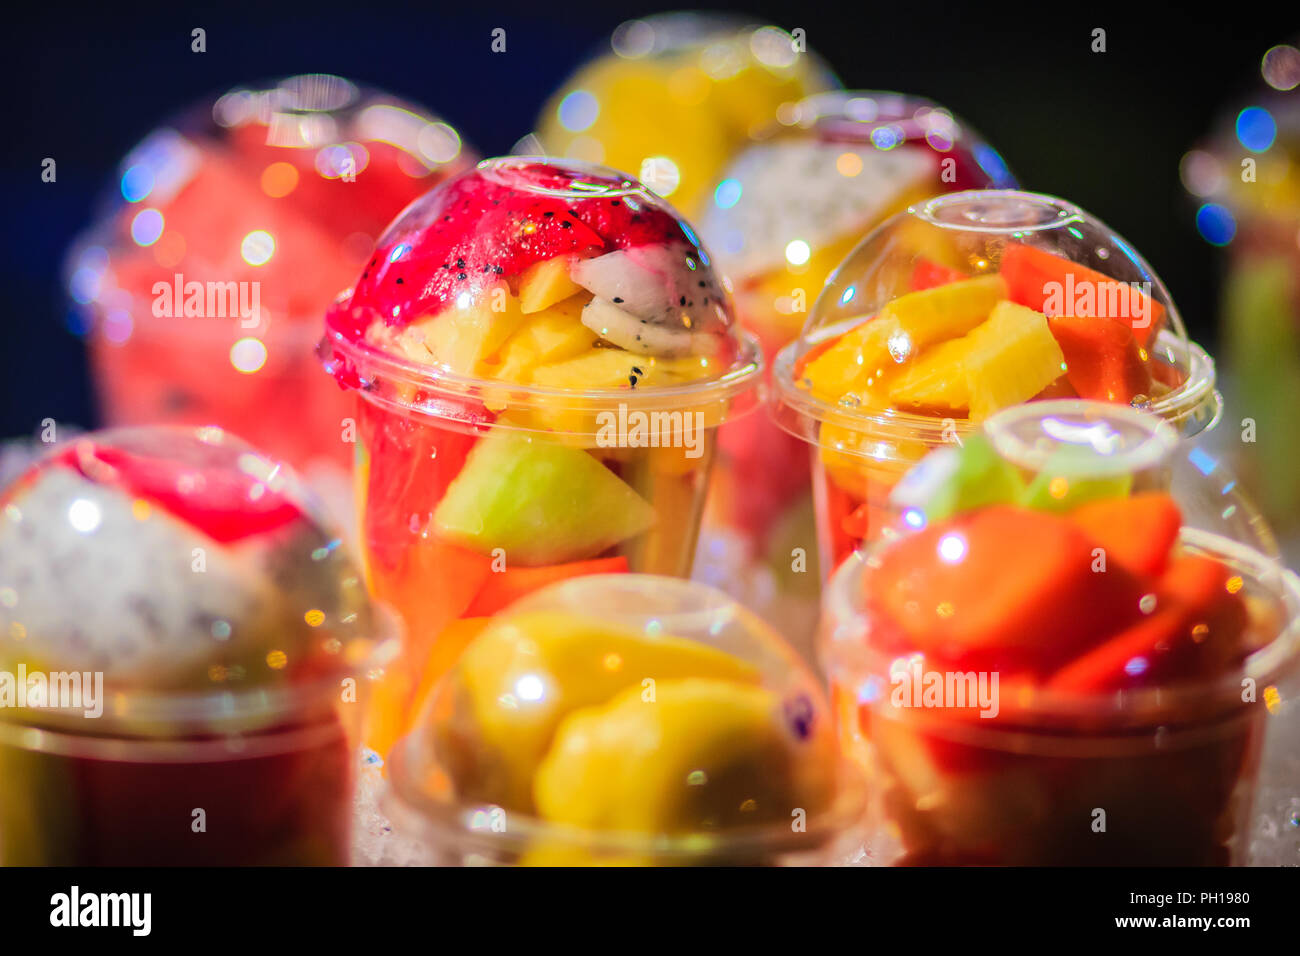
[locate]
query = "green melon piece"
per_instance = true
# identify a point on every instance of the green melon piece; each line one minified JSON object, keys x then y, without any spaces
{"x":954,"y":480}
{"x":540,"y":501}
{"x":1064,"y":483}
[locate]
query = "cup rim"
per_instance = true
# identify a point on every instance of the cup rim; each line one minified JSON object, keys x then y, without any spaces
{"x":1193,"y":407}
{"x":451,"y":823}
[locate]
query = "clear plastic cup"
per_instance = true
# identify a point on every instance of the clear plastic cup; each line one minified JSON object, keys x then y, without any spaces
{"x":627,"y":720}
{"x":960,"y":306}
{"x":1066,"y":651}
{"x":785,"y":213}
{"x":546,"y":407}
{"x":199,"y":288}
{"x":204,"y":645}
{"x":674,"y":96}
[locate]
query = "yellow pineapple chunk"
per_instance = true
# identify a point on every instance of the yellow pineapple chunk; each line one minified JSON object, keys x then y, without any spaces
{"x":1013,"y":356}
{"x":936,"y":384}
{"x":946,"y":311}
{"x":462,"y":339}
{"x":870,"y":352}
{"x":552,"y":335}
{"x":545,"y":283}
{"x":614,"y":368}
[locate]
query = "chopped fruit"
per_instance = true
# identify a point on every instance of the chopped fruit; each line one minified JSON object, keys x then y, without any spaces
{"x":1012,"y":358}
{"x":853,"y":362}
{"x":539,"y":501}
{"x":706,"y":755}
{"x":1137,"y":532}
{"x":224,"y":504}
{"x":936,"y":384}
{"x":946,"y":311}
{"x":545,"y":283}
{"x":927,"y":275}
{"x":869,"y":352}
{"x":497,"y":741}
{"x":1195,"y":631}
{"x":503,"y":588}
{"x":549,"y":336}
{"x":615,"y":368}
{"x":1067,"y":481}
{"x":1002,"y":588}
{"x":1055,"y":285}
{"x":462,"y":339}
{"x":1102,"y":359}
{"x":952,"y":480}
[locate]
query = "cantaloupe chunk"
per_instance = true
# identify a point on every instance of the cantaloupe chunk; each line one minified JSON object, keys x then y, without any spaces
{"x":545,"y":283}
{"x":1012,"y":357}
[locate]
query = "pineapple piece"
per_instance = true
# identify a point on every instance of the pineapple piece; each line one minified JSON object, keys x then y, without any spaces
{"x":867,"y":353}
{"x":464,"y":339}
{"x":856,"y":362}
{"x":552,"y":335}
{"x":937,"y":382}
{"x":1013,"y":356}
{"x":946,"y":311}
{"x":614,"y":368}
{"x":545,"y":283}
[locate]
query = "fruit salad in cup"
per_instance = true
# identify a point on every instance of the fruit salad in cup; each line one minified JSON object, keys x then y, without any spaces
{"x":786,"y":211}
{"x":961,"y":306}
{"x":200,"y":288}
{"x":542,"y":355}
{"x":626,"y":720}
{"x":1066,"y":652}
{"x":676,"y":95}
{"x":185,"y":648}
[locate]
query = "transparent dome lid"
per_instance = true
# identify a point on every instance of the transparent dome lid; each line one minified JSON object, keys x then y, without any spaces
{"x":806,"y":191}
{"x":675,"y":95}
{"x":257,"y":207}
{"x":1076,"y":549}
{"x":626,"y":715}
{"x":558,"y":278}
{"x":1248,"y":167}
{"x":194,"y":574}
{"x":972,"y":302}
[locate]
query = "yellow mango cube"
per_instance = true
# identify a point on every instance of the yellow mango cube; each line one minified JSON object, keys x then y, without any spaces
{"x":545,"y":283}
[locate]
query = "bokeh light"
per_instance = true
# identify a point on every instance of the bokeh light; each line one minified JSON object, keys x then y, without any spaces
{"x":1216,"y":224}
{"x":1256,"y":129}
{"x":146,"y":227}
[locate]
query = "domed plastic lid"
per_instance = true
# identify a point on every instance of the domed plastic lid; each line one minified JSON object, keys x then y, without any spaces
{"x":975,"y":301}
{"x":256,"y":208}
{"x":1075,"y":549}
{"x":836,"y":164}
{"x":1247,"y":168}
{"x":677,"y":96}
{"x":557,"y":278}
{"x":191,"y":574}
{"x":626,"y":718}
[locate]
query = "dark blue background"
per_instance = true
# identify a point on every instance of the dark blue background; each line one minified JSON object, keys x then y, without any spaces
{"x":1106,"y":131}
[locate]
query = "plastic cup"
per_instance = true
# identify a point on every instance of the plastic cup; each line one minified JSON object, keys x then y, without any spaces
{"x":626,"y":720}
{"x":863,"y":441}
{"x":786,"y":212}
{"x":1145,"y":756}
{"x":210,"y":685}
{"x":458,"y":510}
{"x":200,"y":287}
